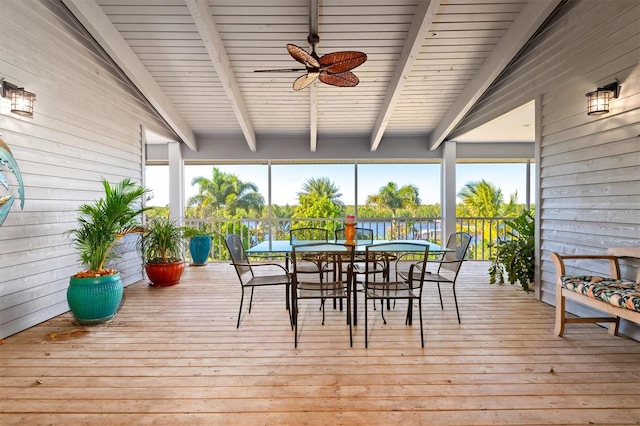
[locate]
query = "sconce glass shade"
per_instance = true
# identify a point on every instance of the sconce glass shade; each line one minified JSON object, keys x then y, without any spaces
{"x":598,"y":101}
{"x":21,"y":102}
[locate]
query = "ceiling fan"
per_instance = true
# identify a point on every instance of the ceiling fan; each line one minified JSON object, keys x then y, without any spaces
{"x":333,"y":68}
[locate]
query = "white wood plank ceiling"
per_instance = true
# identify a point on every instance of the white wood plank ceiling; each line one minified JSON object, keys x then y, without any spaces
{"x":428,"y":62}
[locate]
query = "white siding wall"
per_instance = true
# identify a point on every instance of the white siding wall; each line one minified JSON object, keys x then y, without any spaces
{"x":86,"y":126}
{"x":589,"y":165}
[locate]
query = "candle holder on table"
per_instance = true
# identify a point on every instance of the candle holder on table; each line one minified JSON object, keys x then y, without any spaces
{"x":350,"y":230}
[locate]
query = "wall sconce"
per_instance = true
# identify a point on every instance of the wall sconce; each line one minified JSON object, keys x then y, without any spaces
{"x":21,"y":100}
{"x":598,"y":100}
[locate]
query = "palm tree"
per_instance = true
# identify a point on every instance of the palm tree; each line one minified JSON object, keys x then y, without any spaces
{"x":225,"y":192}
{"x":394,"y":198}
{"x":281,"y":228}
{"x":322,"y":187}
{"x":484,"y":199}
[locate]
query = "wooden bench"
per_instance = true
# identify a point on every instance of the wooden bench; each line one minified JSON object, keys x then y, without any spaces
{"x":613,"y":295}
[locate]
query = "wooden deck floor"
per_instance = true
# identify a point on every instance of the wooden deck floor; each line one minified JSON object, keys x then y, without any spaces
{"x":174,"y":356}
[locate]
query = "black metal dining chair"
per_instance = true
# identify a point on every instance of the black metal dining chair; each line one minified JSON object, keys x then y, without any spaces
{"x":363,"y":235}
{"x":311,"y":234}
{"x":408,"y":288}
{"x":246,"y":271}
{"x":448,"y":265}
{"x":308,"y":234}
{"x":307,"y":285}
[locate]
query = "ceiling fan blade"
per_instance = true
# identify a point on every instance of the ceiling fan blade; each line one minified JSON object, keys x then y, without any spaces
{"x":301,"y":55}
{"x":339,"y":62}
{"x":283,"y":70}
{"x":305,"y":80}
{"x":345,"y":79}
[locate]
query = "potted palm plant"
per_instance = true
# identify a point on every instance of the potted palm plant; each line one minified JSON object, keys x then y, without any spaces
{"x":162,"y":249}
{"x":94,"y":294}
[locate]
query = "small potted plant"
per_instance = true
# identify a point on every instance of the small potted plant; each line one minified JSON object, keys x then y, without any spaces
{"x":162,"y":249}
{"x":199,"y":241}
{"x":94,"y":294}
{"x":516,"y":257}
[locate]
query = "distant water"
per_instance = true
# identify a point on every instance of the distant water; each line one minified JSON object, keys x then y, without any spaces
{"x":422,"y":230}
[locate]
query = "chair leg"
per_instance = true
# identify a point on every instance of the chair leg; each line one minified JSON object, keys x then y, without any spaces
{"x":440,"y":294}
{"x":286,"y":296}
{"x":421,"y":330}
{"x":289,"y":305}
{"x":366,"y":320}
{"x":240,"y":310}
{"x":291,"y":320}
{"x":349,"y":321}
{"x":408,"y":318}
{"x":294,"y":313}
{"x":251,"y":299}
{"x":455,"y":299}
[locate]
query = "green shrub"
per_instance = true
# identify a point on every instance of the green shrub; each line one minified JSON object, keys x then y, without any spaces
{"x":515,"y":257}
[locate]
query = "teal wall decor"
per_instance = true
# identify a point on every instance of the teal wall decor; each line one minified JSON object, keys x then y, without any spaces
{"x":7,"y":161}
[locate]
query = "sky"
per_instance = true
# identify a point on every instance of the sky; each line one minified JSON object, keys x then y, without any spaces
{"x":289,"y":179}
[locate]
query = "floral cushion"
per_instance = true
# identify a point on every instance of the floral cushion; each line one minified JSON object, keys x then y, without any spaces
{"x":619,"y":293}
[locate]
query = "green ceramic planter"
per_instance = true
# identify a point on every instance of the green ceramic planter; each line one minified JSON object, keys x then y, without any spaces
{"x":200,"y":246}
{"x":94,"y":300}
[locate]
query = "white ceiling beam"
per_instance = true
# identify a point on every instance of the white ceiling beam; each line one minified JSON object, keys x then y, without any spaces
{"x":423,"y":18}
{"x":208,"y":30}
{"x":525,"y":25}
{"x":91,"y":16}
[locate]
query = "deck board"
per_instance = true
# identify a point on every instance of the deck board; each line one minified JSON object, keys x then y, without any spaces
{"x":174,"y":356}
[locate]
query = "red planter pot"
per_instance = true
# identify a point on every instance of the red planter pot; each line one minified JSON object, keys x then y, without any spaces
{"x":164,"y":274}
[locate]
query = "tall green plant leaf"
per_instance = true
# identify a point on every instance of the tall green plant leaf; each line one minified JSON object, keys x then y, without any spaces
{"x":102,"y":224}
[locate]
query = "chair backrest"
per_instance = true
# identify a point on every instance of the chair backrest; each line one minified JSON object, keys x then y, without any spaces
{"x":238,"y":255}
{"x":458,"y":241}
{"x":363,"y":235}
{"x":395,"y":249}
{"x":315,"y":256}
{"x":308,"y":234}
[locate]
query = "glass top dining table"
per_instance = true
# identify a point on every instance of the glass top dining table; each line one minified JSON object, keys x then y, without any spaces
{"x":285,"y":247}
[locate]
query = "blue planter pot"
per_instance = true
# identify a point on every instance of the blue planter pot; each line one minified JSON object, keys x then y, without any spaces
{"x":200,"y":246}
{"x":95,"y":300}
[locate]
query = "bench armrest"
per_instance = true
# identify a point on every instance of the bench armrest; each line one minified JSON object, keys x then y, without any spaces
{"x":559,"y":261}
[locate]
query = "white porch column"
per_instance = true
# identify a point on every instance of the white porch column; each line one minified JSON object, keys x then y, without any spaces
{"x":527,"y":201}
{"x":448,"y":189}
{"x":355,"y":189}
{"x":176,"y":181}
